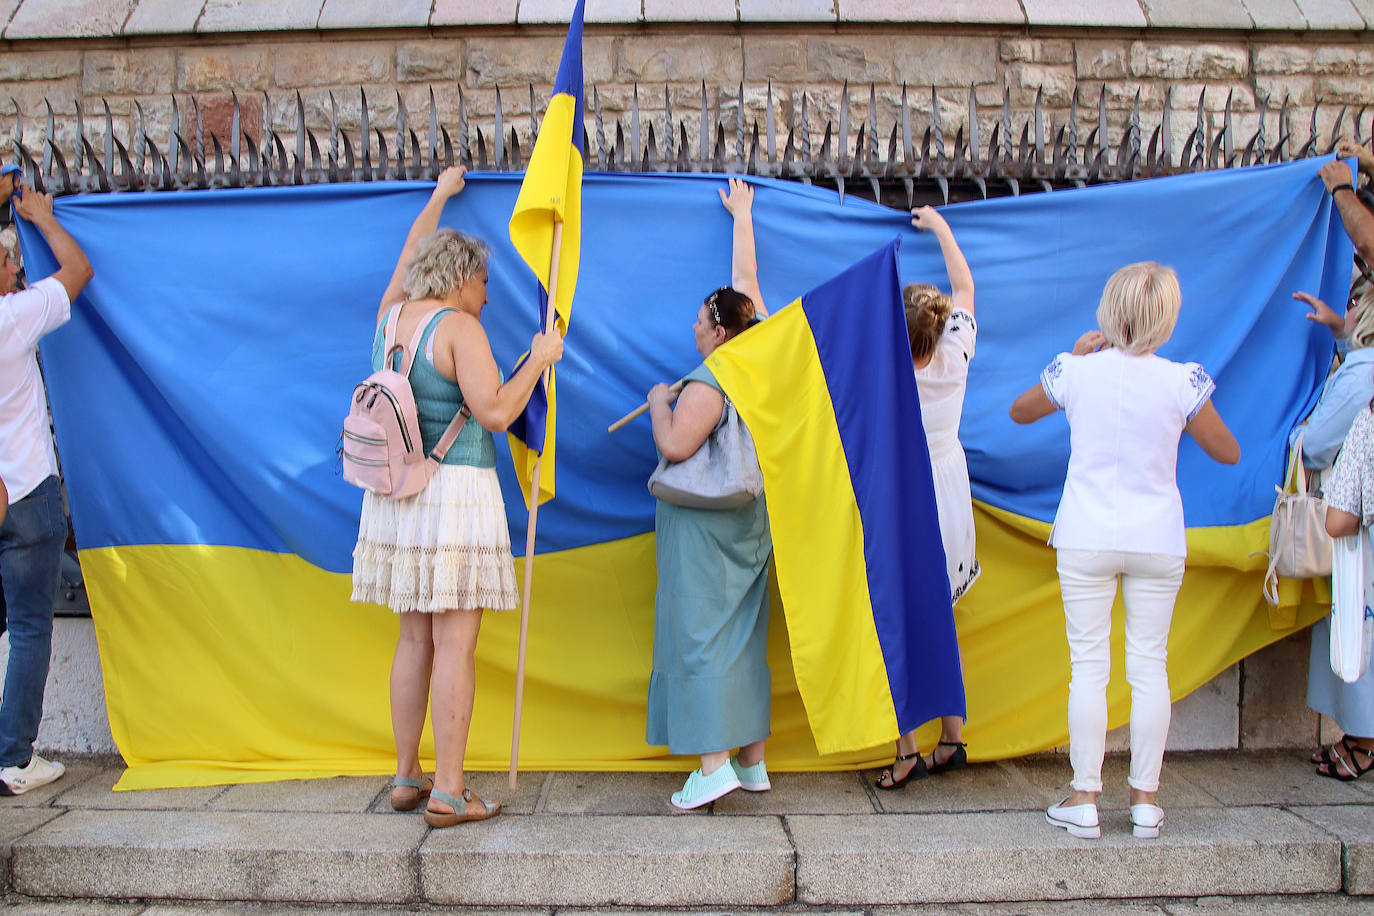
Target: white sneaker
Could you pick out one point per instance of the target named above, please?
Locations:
(1145, 820)
(1078, 820)
(39, 772)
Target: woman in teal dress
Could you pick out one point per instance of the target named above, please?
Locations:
(710, 688)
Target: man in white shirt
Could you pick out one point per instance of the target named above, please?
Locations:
(34, 529)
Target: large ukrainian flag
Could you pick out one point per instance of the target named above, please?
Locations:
(826, 388)
(199, 390)
(550, 198)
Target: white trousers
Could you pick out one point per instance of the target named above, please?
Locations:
(1149, 585)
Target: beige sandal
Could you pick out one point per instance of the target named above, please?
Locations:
(423, 785)
(449, 818)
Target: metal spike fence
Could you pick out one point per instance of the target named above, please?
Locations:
(902, 169)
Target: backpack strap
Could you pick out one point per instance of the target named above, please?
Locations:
(407, 353)
(455, 426)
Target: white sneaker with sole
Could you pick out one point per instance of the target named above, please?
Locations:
(39, 772)
(1078, 820)
(1145, 820)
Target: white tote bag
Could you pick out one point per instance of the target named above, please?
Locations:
(1352, 620)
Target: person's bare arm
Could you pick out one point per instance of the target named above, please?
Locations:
(73, 269)
(494, 404)
(1349, 149)
(1341, 524)
(679, 431)
(744, 264)
(1209, 430)
(1358, 220)
(928, 219)
(450, 182)
(1322, 314)
(1033, 404)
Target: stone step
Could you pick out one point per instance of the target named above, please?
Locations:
(550, 860)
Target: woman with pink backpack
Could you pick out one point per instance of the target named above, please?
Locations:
(441, 555)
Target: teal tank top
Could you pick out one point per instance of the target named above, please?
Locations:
(437, 399)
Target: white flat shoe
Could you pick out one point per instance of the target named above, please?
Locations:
(1145, 820)
(1078, 820)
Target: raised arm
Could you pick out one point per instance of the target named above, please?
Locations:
(1349, 149)
(73, 269)
(1358, 220)
(494, 404)
(928, 219)
(450, 182)
(744, 266)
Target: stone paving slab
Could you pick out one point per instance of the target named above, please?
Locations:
(492, 786)
(66, 908)
(78, 773)
(1331, 14)
(367, 14)
(257, 15)
(1051, 777)
(1216, 14)
(610, 861)
(615, 793)
(1274, 778)
(1282, 14)
(1097, 13)
(68, 18)
(802, 793)
(1325, 905)
(14, 825)
(1354, 825)
(342, 794)
(152, 17)
(97, 791)
(989, 857)
(981, 787)
(958, 11)
(220, 856)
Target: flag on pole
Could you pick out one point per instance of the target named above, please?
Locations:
(551, 193)
(826, 389)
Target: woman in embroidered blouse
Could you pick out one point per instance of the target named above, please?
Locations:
(1121, 515)
(942, 332)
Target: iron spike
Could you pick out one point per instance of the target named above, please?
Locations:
(667, 129)
(600, 130)
(298, 168)
(433, 138)
(334, 141)
(1006, 124)
(174, 141)
(534, 122)
(842, 139)
(18, 131)
(416, 160)
(1201, 129)
(464, 153)
(140, 135)
(1261, 139)
(401, 129)
(515, 164)
(1310, 147)
(973, 127)
(80, 136)
(872, 150)
(771, 128)
(1102, 132)
(234, 134)
(109, 137)
(684, 164)
(739, 129)
(447, 146)
(350, 164)
(255, 171)
(936, 125)
(383, 157)
(498, 139)
(704, 150)
(481, 149)
(805, 134)
(718, 155)
(365, 137)
(1336, 130)
(908, 151)
(1227, 143)
(1166, 130)
(634, 123)
(98, 167)
(62, 170)
(317, 165)
(618, 150)
(269, 139)
(1039, 125)
(1285, 131)
(890, 169)
(48, 134)
(650, 152)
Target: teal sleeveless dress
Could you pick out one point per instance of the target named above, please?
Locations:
(448, 546)
(710, 689)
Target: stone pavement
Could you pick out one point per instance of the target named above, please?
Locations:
(1248, 826)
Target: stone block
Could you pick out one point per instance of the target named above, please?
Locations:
(614, 793)
(1056, 908)
(1331, 14)
(472, 12)
(1275, 14)
(1286, 59)
(1189, 14)
(68, 18)
(1159, 61)
(1001, 856)
(332, 63)
(205, 69)
(1268, 778)
(162, 17)
(429, 61)
(128, 72)
(97, 791)
(499, 61)
(364, 14)
(1218, 62)
(802, 793)
(558, 11)
(1101, 60)
(1353, 825)
(991, 12)
(1055, 83)
(345, 858)
(610, 861)
(1050, 778)
(854, 60)
(1343, 60)
(1273, 708)
(659, 58)
(217, 116)
(701, 11)
(14, 825)
(777, 59)
(1336, 90)
(787, 10)
(935, 61)
(1069, 12)
(1038, 50)
(259, 16)
(524, 799)
(1209, 717)
(39, 65)
(1307, 905)
(342, 794)
(998, 786)
(1299, 90)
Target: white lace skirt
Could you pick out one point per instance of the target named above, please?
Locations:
(445, 548)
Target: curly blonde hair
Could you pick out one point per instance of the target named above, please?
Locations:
(1139, 307)
(442, 263)
(1362, 335)
(927, 310)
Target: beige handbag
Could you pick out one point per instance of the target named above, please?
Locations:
(1299, 547)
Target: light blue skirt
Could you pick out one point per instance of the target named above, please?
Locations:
(1351, 705)
(710, 689)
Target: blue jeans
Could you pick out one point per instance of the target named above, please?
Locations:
(31, 541)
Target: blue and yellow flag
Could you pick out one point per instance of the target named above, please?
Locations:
(826, 388)
(551, 194)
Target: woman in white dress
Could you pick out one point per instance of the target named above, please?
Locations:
(942, 334)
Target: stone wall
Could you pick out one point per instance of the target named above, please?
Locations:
(1063, 67)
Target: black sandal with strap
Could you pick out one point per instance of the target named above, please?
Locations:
(917, 771)
(956, 761)
(1348, 770)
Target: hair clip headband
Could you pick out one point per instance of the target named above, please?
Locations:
(711, 304)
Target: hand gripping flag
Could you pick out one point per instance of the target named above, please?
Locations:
(551, 194)
(826, 388)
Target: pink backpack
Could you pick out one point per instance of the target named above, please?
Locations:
(380, 449)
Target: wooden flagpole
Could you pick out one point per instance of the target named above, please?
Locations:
(534, 516)
(675, 388)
